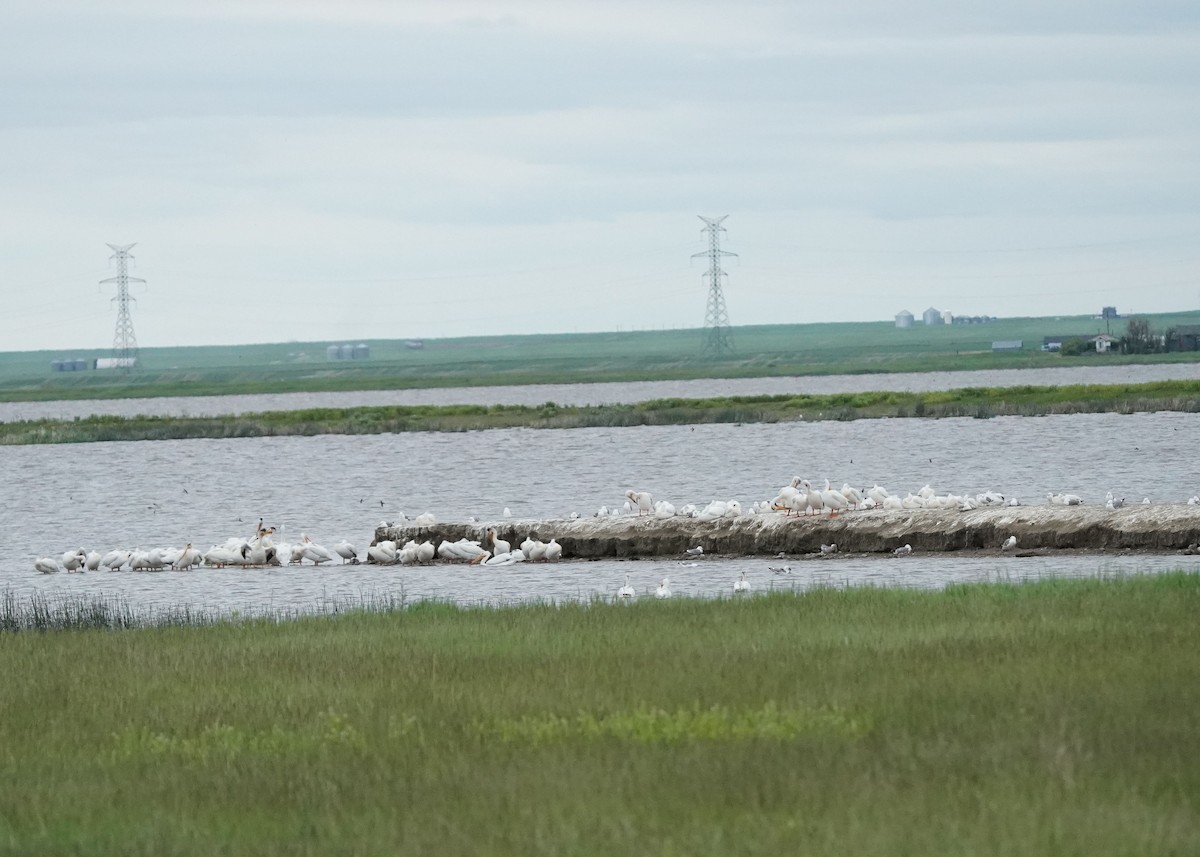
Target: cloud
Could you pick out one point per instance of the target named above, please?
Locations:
(547, 160)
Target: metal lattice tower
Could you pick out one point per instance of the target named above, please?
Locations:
(125, 347)
(718, 338)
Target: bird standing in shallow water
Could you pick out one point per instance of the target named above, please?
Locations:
(741, 584)
(664, 589)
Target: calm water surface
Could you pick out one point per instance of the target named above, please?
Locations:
(606, 393)
(163, 493)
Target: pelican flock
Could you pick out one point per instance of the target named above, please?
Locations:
(799, 498)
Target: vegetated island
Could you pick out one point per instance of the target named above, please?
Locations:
(977, 402)
(1054, 717)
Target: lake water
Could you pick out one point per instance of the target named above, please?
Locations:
(163, 493)
(605, 393)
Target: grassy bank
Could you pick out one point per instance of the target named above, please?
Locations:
(1057, 718)
(764, 350)
(979, 402)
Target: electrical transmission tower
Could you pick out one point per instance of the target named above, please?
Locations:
(124, 342)
(718, 338)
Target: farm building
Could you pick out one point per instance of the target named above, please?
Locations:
(932, 316)
(361, 351)
(1101, 342)
(1186, 337)
(1007, 344)
(904, 318)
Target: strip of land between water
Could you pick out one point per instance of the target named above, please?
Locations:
(977, 402)
(1159, 528)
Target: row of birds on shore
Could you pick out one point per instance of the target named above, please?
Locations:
(802, 498)
(261, 550)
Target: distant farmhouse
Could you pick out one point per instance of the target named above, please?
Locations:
(1186, 337)
(974, 319)
(1007, 344)
(1102, 342)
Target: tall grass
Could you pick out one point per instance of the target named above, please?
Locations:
(979, 402)
(1056, 718)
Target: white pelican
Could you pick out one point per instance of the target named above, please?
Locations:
(74, 560)
(813, 501)
(507, 512)
(254, 553)
(424, 520)
(664, 589)
(626, 591)
(663, 509)
(1009, 543)
(425, 552)
(45, 565)
(347, 551)
(93, 561)
(715, 510)
(537, 551)
(186, 558)
(218, 556)
(834, 501)
(851, 494)
(505, 558)
(495, 545)
(553, 551)
(904, 550)
(741, 584)
(877, 493)
(640, 500)
(383, 553)
(114, 559)
(315, 552)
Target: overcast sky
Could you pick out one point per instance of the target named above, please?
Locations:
(342, 170)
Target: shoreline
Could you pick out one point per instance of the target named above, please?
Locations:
(1040, 531)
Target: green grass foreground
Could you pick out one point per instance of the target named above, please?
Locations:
(1061, 717)
(979, 402)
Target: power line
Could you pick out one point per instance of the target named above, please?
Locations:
(124, 341)
(718, 337)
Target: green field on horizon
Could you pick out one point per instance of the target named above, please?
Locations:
(766, 350)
